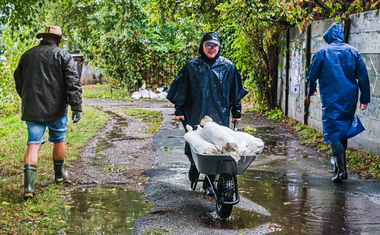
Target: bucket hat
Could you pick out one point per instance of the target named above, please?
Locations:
(51, 30)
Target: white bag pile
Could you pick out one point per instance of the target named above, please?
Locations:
(145, 93)
(217, 139)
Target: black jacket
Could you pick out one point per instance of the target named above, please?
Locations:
(47, 80)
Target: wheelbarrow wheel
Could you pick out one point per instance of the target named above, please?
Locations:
(225, 191)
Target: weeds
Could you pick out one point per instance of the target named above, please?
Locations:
(274, 114)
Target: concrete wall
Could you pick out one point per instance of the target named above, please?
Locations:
(365, 36)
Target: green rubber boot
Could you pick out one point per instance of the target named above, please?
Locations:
(29, 173)
(61, 175)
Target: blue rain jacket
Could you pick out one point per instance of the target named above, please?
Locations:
(341, 72)
(203, 90)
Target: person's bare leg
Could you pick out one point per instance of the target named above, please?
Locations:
(59, 151)
(31, 154)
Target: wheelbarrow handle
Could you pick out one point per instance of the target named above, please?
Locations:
(235, 126)
(183, 124)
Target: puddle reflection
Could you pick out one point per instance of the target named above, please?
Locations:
(105, 210)
(300, 209)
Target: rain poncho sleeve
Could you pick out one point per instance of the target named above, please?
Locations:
(178, 95)
(341, 73)
(199, 90)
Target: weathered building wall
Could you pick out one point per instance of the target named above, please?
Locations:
(364, 34)
(317, 29)
(297, 63)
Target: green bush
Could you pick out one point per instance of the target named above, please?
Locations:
(13, 49)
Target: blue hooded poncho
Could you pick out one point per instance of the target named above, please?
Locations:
(341, 72)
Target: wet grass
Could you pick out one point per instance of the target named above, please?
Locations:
(154, 117)
(47, 212)
(366, 164)
(104, 91)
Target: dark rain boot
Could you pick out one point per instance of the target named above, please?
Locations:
(345, 175)
(342, 172)
(61, 175)
(29, 173)
(333, 164)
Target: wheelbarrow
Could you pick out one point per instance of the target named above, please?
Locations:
(226, 189)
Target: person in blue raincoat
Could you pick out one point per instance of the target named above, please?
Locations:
(341, 72)
(207, 85)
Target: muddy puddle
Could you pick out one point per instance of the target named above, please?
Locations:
(105, 210)
(299, 202)
(296, 208)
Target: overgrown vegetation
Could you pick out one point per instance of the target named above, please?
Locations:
(151, 116)
(46, 213)
(137, 41)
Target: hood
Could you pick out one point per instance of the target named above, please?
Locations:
(334, 33)
(205, 37)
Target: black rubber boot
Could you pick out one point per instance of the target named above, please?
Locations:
(61, 175)
(29, 173)
(345, 175)
(333, 164)
(341, 165)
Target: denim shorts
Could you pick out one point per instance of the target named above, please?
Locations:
(57, 131)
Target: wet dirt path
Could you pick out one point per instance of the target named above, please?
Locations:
(288, 188)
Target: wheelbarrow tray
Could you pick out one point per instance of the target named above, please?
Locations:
(220, 163)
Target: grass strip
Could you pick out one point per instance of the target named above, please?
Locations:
(47, 212)
(154, 117)
(104, 91)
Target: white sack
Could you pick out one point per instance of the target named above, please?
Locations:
(253, 145)
(194, 138)
(136, 95)
(220, 136)
(153, 95)
(162, 95)
(145, 93)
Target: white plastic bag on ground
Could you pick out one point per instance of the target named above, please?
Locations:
(153, 95)
(136, 95)
(162, 95)
(145, 93)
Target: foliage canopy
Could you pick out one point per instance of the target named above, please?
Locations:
(136, 41)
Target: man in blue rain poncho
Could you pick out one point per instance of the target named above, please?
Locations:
(207, 85)
(341, 72)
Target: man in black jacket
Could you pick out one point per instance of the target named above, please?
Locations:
(207, 85)
(47, 81)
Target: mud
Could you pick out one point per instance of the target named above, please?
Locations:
(119, 153)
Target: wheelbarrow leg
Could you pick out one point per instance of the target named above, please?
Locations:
(207, 185)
